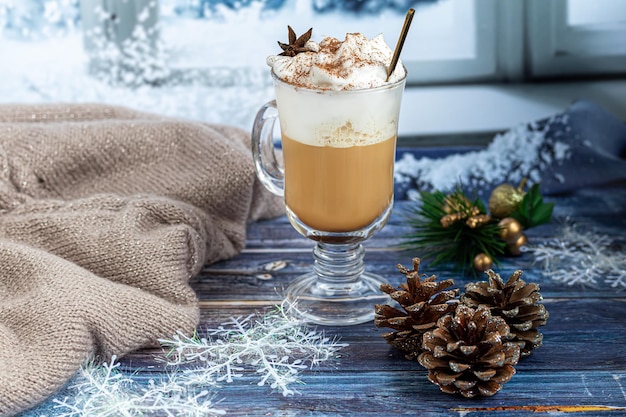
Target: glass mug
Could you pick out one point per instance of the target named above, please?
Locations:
(336, 177)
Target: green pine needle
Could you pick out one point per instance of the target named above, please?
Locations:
(457, 244)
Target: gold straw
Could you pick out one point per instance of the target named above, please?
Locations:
(400, 44)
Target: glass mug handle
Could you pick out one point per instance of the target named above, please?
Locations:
(268, 168)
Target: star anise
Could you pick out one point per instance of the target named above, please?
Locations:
(296, 45)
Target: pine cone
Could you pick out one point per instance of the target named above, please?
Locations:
(423, 301)
(468, 353)
(514, 301)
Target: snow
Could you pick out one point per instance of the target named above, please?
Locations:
(213, 69)
(524, 151)
(217, 61)
(55, 70)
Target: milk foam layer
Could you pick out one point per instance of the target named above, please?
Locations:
(339, 118)
(355, 63)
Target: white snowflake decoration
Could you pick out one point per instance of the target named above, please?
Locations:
(584, 258)
(102, 390)
(275, 346)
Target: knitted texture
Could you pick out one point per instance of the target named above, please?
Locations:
(105, 215)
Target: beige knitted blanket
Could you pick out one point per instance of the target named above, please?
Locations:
(105, 214)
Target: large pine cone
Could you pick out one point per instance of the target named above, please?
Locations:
(424, 301)
(516, 302)
(468, 353)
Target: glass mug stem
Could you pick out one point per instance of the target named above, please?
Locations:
(337, 193)
(338, 266)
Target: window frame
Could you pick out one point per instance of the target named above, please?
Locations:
(482, 66)
(558, 49)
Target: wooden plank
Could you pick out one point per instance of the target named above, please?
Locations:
(375, 393)
(581, 334)
(246, 278)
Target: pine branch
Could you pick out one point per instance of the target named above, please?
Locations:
(457, 243)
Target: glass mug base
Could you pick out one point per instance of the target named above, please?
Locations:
(338, 292)
(330, 305)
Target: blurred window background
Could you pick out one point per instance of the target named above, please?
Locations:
(205, 59)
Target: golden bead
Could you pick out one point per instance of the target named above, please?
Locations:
(510, 229)
(449, 219)
(482, 262)
(478, 220)
(514, 248)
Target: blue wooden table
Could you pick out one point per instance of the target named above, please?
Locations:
(582, 361)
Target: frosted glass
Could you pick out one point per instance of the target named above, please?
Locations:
(442, 29)
(593, 12)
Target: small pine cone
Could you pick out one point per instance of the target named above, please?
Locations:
(468, 353)
(423, 302)
(514, 301)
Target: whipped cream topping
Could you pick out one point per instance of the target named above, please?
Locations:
(355, 63)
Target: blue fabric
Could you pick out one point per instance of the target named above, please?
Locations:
(585, 146)
(597, 141)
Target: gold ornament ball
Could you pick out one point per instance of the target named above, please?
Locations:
(515, 247)
(482, 262)
(505, 200)
(510, 229)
